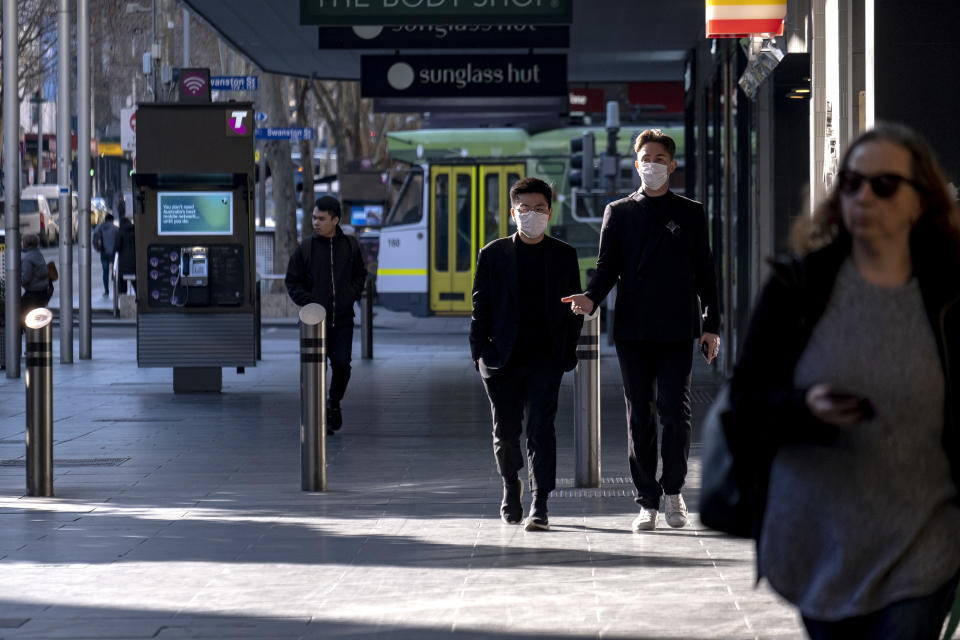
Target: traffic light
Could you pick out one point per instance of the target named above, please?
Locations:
(581, 162)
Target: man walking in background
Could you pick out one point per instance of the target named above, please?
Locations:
(328, 269)
(105, 241)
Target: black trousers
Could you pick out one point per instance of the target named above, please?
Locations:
(524, 398)
(657, 374)
(106, 264)
(30, 300)
(339, 349)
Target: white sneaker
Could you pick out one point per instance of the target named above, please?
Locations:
(675, 510)
(646, 521)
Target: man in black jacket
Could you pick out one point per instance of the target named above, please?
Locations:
(654, 244)
(328, 269)
(522, 339)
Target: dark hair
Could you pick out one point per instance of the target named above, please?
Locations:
(31, 241)
(531, 185)
(329, 203)
(655, 135)
(937, 225)
(108, 217)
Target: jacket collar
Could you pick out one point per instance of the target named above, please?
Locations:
(337, 232)
(640, 196)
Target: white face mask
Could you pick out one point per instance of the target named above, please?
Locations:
(531, 223)
(653, 175)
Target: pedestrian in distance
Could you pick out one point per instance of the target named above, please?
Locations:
(126, 253)
(654, 244)
(37, 288)
(105, 241)
(328, 269)
(844, 403)
(522, 340)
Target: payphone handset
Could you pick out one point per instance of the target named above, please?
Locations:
(194, 266)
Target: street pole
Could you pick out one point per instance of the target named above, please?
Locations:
(262, 188)
(186, 38)
(40, 172)
(83, 171)
(63, 182)
(611, 162)
(11, 161)
(153, 53)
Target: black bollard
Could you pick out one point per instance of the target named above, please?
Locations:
(313, 390)
(39, 383)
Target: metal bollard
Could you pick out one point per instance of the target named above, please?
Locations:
(313, 392)
(586, 404)
(39, 382)
(366, 320)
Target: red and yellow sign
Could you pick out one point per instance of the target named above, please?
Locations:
(739, 18)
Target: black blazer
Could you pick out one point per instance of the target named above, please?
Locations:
(495, 324)
(660, 255)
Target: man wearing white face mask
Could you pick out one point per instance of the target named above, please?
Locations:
(653, 243)
(522, 339)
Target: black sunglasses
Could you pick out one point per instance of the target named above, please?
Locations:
(883, 185)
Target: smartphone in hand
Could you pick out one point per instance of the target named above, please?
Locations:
(704, 351)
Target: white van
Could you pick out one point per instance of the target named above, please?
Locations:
(52, 193)
(34, 218)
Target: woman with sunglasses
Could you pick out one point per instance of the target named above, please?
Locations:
(844, 404)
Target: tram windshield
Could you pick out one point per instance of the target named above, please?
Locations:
(408, 207)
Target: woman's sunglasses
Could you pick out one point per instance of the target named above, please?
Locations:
(883, 185)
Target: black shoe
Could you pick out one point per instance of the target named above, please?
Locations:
(511, 509)
(537, 521)
(334, 419)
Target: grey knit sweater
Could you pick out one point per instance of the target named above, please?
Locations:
(871, 518)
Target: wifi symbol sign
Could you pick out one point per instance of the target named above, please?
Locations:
(194, 84)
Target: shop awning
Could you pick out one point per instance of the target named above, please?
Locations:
(739, 18)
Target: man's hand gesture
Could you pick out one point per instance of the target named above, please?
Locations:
(712, 341)
(579, 304)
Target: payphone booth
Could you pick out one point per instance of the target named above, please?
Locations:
(193, 219)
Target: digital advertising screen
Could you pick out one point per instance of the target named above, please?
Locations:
(366, 215)
(195, 213)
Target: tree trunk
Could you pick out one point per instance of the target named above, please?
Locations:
(281, 169)
(306, 160)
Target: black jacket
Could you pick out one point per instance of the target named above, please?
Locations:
(660, 254)
(495, 324)
(766, 410)
(127, 253)
(332, 276)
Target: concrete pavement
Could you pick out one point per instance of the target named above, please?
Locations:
(181, 515)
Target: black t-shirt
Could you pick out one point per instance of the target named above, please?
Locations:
(533, 340)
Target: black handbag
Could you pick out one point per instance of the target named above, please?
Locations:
(726, 503)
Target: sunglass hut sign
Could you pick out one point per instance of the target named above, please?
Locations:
(463, 76)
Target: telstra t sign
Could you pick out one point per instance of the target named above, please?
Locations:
(239, 122)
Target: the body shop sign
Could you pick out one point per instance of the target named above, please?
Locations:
(463, 76)
(436, 36)
(379, 12)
